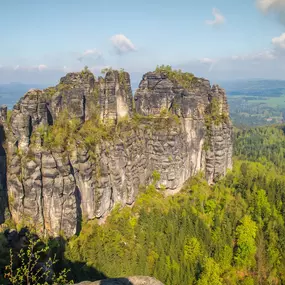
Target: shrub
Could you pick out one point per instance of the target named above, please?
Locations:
(185, 79)
(30, 271)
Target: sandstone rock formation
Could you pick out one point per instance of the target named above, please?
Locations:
(3, 167)
(77, 149)
(135, 280)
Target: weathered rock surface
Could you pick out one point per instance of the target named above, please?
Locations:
(3, 168)
(157, 92)
(135, 280)
(54, 188)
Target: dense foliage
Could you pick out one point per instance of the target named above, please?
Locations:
(229, 233)
(232, 233)
(30, 261)
(262, 144)
(185, 79)
(256, 110)
(66, 132)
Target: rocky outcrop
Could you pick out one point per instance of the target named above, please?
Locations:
(115, 95)
(209, 136)
(135, 280)
(4, 213)
(111, 146)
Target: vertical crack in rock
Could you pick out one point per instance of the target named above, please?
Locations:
(177, 129)
(49, 117)
(42, 198)
(78, 201)
(4, 211)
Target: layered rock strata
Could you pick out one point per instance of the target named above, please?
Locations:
(174, 130)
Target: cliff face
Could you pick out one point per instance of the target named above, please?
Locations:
(3, 168)
(77, 149)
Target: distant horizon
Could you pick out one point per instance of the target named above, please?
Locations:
(222, 80)
(211, 40)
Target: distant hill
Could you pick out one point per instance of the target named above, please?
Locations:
(255, 87)
(10, 93)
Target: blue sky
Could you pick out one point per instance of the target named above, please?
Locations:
(217, 39)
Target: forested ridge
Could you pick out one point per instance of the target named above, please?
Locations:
(230, 233)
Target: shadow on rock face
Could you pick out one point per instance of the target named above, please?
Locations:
(112, 281)
(3, 177)
(117, 281)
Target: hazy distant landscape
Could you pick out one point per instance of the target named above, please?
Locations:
(252, 102)
(122, 161)
(256, 102)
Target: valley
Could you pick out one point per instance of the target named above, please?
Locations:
(256, 103)
(224, 222)
(142, 142)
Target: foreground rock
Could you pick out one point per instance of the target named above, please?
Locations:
(135, 280)
(173, 129)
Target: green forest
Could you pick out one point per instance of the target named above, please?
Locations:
(232, 232)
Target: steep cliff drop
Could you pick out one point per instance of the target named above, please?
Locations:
(77, 149)
(4, 212)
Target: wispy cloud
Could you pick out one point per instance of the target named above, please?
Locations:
(210, 62)
(219, 19)
(267, 5)
(42, 67)
(93, 54)
(274, 6)
(279, 42)
(122, 44)
(266, 54)
(270, 66)
(39, 67)
(207, 60)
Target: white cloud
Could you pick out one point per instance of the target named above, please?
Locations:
(207, 60)
(239, 67)
(91, 54)
(218, 18)
(279, 42)
(92, 51)
(42, 67)
(266, 54)
(276, 7)
(39, 67)
(268, 5)
(243, 65)
(122, 44)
